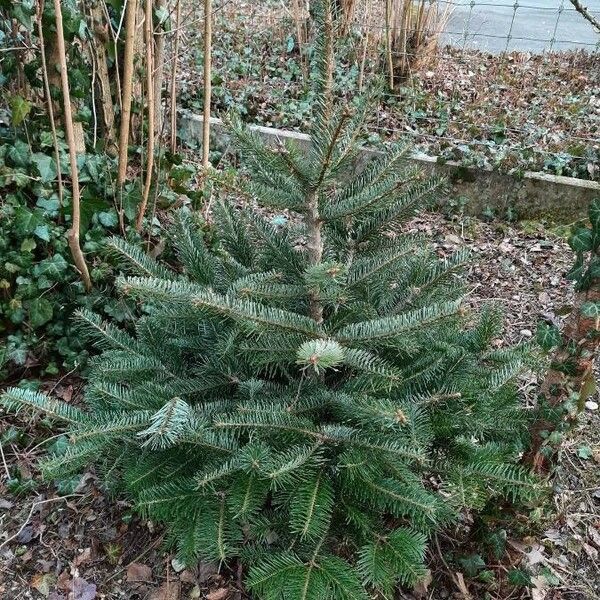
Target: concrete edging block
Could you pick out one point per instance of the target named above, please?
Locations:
(529, 196)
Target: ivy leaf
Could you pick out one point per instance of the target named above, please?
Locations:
(290, 44)
(594, 269)
(42, 232)
(594, 213)
(576, 272)
(520, 578)
(26, 221)
(496, 540)
(161, 14)
(132, 196)
(27, 245)
(591, 310)
(585, 452)
(19, 108)
(45, 166)
(40, 312)
(19, 153)
(581, 240)
(59, 446)
(472, 564)
(89, 206)
(67, 486)
(108, 219)
(547, 336)
(51, 267)
(49, 205)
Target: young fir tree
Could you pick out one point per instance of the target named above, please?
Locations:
(308, 398)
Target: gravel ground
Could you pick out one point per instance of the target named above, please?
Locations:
(88, 546)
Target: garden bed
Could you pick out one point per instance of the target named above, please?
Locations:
(86, 540)
(513, 112)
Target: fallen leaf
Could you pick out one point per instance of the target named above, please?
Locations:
(25, 535)
(594, 537)
(64, 581)
(187, 577)
(590, 551)
(462, 586)
(206, 570)
(82, 590)
(539, 589)
(167, 591)
(84, 557)
(420, 590)
(219, 594)
(42, 582)
(139, 572)
(195, 593)
(536, 555)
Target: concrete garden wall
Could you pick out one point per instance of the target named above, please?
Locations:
(531, 195)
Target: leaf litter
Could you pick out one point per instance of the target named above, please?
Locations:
(88, 546)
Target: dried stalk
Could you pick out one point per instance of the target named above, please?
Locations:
(149, 37)
(73, 235)
(174, 80)
(99, 57)
(207, 81)
(586, 14)
(131, 10)
(49, 101)
(388, 43)
(159, 63)
(365, 48)
(347, 8)
(300, 24)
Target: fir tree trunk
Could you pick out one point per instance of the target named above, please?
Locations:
(571, 376)
(315, 250)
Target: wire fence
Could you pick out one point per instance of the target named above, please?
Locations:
(502, 84)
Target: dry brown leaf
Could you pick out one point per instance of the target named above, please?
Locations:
(462, 586)
(139, 572)
(219, 594)
(84, 557)
(421, 588)
(167, 591)
(82, 590)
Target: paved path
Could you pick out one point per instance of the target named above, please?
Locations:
(537, 25)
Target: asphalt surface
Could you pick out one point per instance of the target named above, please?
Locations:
(524, 25)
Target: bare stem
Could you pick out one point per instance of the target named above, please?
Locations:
(207, 81)
(174, 80)
(73, 234)
(150, 95)
(585, 12)
(127, 89)
(49, 102)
